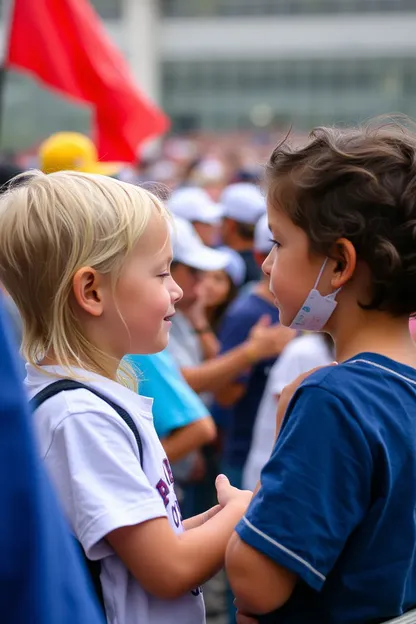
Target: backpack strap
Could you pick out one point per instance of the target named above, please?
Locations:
(63, 385)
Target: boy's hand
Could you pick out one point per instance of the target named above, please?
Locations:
(226, 493)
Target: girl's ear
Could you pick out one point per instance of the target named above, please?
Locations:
(344, 254)
(87, 289)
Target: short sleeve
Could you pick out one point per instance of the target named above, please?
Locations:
(97, 472)
(175, 404)
(315, 488)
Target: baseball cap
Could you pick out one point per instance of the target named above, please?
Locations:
(194, 204)
(262, 236)
(243, 202)
(189, 249)
(235, 267)
(73, 151)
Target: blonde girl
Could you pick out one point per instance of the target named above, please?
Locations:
(87, 261)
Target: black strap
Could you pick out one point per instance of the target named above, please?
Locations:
(63, 385)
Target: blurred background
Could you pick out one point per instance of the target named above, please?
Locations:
(233, 76)
(244, 68)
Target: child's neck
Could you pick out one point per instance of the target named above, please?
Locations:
(375, 332)
(51, 360)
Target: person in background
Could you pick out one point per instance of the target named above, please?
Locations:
(35, 540)
(192, 342)
(194, 345)
(301, 355)
(243, 204)
(237, 402)
(218, 289)
(242, 396)
(72, 151)
(195, 205)
(210, 175)
(181, 419)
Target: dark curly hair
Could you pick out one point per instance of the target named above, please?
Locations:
(361, 185)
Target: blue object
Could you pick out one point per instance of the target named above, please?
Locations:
(253, 271)
(42, 579)
(338, 496)
(175, 403)
(239, 320)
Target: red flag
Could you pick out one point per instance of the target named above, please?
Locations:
(64, 44)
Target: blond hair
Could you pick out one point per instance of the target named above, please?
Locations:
(50, 227)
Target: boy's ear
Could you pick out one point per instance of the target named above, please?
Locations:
(87, 291)
(345, 256)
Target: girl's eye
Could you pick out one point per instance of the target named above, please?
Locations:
(275, 243)
(163, 275)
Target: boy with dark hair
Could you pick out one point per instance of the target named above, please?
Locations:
(330, 536)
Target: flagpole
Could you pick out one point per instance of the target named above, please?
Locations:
(6, 23)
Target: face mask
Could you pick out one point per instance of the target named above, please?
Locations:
(316, 310)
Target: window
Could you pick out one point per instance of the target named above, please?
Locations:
(108, 9)
(220, 94)
(232, 8)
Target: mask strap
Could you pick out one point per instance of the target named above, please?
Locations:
(320, 274)
(332, 295)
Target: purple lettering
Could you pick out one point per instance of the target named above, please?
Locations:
(176, 514)
(163, 490)
(168, 471)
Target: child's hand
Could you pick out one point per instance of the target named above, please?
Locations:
(266, 340)
(226, 493)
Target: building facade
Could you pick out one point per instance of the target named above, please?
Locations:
(225, 64)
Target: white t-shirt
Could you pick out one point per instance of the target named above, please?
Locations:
(93, 459)
(300, 356)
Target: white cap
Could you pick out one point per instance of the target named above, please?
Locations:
(194, 204)
(235, 267)
(262, 236)
(189, 249)
(243, 202)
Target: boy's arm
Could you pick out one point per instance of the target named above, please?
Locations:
(189, 438)
(259, 584)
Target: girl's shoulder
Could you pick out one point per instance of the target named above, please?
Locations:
(82, 412)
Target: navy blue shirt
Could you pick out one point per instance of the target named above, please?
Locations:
(338, 497)
(253, 271)
(240, 318)
(42, 580)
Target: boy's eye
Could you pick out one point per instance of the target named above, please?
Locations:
(275, 243)
(163, 275)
